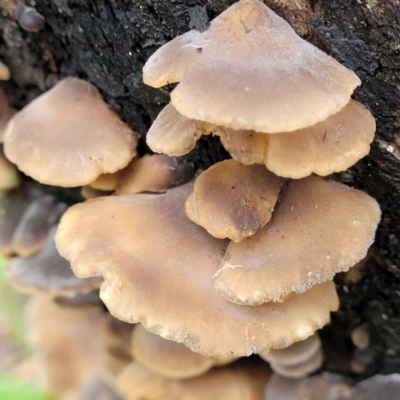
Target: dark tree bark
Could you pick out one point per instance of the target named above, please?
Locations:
(108, 41)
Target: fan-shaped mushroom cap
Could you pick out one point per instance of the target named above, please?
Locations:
(234, 201)
(157, 264)
(153, 173)
(68, 136)
(4, 72)
(48, 272)
(33, 228)
(327, 147)
(228, 383)
(319, 228)
(250, 70)
(168, 358)
(173, 134)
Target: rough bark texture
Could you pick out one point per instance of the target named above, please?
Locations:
(108, 41)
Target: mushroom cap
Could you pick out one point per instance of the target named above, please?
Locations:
(234, 201)
(9, 175)
(68, 136)
(48, 272)
(329, 146)
(4, 72)
(153, 173)
(173, 134)
(250, 70)
(168, 358)
(106, 182)
(318, 228)
(158, 268)
(237, 382)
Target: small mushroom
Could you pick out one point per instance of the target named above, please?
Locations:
(237, 382)
(234, 201)
(29, 19)
(4, 73)
(153, 173)
(157, 263)
(68, 136)
(250, 70)
(360, 336)
(318, 228)
(169, 359)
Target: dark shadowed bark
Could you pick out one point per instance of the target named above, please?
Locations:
(108, 41)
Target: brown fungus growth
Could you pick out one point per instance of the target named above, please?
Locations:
(241, 381)
(153, 173)
(68, 136)
(48, 272)
(319, 228)
(250, 70)
(4, 73)
(115, 237)
(168, 358)
(231, 200)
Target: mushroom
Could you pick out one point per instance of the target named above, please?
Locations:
(4, 72)
(231, 200)
(153, 173)
(169, 359)
(318, 228)
(9, 175)
(114, 237)
(29, 19)
(68, 136)
(237, 382)
(251, 71)
(48, 272)
(360, 336)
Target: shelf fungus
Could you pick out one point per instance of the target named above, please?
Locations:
(68, 136)
(115, 237)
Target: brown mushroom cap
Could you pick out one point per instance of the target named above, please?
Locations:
(327, 147)
(158, 268)
(234, 201)
(68, 136)
(153, 173)
(4, 72)
(173, 134)
(237, 382)
(319, 228)
(250, 70)
(168, 358)
(48, 272)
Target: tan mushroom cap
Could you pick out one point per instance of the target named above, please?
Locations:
(250, 70)
(153, 173)
(235, 382)
(48, 272)
(4, 72)
(106, 182)
(296, 353)
(33, 228)
(168, 358)
(360, 336)
(65, 342)
(319, 228)
(157, 264)
(68, 136)
(173, 134)
(9, 175)
(234, 201)
(327, 147)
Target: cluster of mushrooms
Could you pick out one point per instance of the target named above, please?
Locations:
(235, 262)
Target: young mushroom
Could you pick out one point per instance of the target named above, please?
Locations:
(4, 72)
(68, 136)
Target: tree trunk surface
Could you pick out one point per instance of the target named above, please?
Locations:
(108, 41)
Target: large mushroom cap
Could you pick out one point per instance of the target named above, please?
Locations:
(231, 200)
(68, 136)
(250, 70)
(319, 228)
(158, 268)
